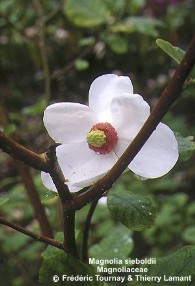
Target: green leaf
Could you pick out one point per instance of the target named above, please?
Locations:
(10, 129)
(18, 203)
(180, 264)
(51, 251)
(191, 209)
(86, 42)
(86, 13)
(81, 64)
(138, 24)
(174, 52)
(117, 44)
(7, 182)
(59, 266)
(3, 200)
(117, 244)
(186, 146)
(50, 199)
(16, 241)
(134, 211)
(136, 5)
(189, 234)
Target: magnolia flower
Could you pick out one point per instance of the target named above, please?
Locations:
(93, 137)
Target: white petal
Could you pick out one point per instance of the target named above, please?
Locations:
(68, 122)
(104, 89)
(102, 201)
(48, 183)
(159, 154)
(129, 113)
(121, 146)
(82, 166)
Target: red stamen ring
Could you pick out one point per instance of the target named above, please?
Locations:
(111, 138)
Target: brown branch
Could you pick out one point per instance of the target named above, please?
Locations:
(47, 162)
(66, 202)
(35, 236)
(33, 195)
(68, 212)
(37, 161)
(169, 95)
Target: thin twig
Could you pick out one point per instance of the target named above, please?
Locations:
(169, 95)
(84, 254)
(35, 236)
(12, 24)
(11, 147)
(33, 195)
(41, 23)
(52, 15)
(43, 51)
(60, 72)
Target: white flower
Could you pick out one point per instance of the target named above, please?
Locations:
(94, 137)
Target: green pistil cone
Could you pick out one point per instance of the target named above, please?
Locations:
(96, 138)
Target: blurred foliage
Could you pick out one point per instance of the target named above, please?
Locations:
(50, 52)
(117, 244)
(56, 262)
(180, 262)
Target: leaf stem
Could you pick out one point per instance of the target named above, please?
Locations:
(60, 72)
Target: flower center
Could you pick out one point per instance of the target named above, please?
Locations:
(96, 138)
(102, 138)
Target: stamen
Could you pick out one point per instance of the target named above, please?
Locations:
(102, 138)
(96, 138)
